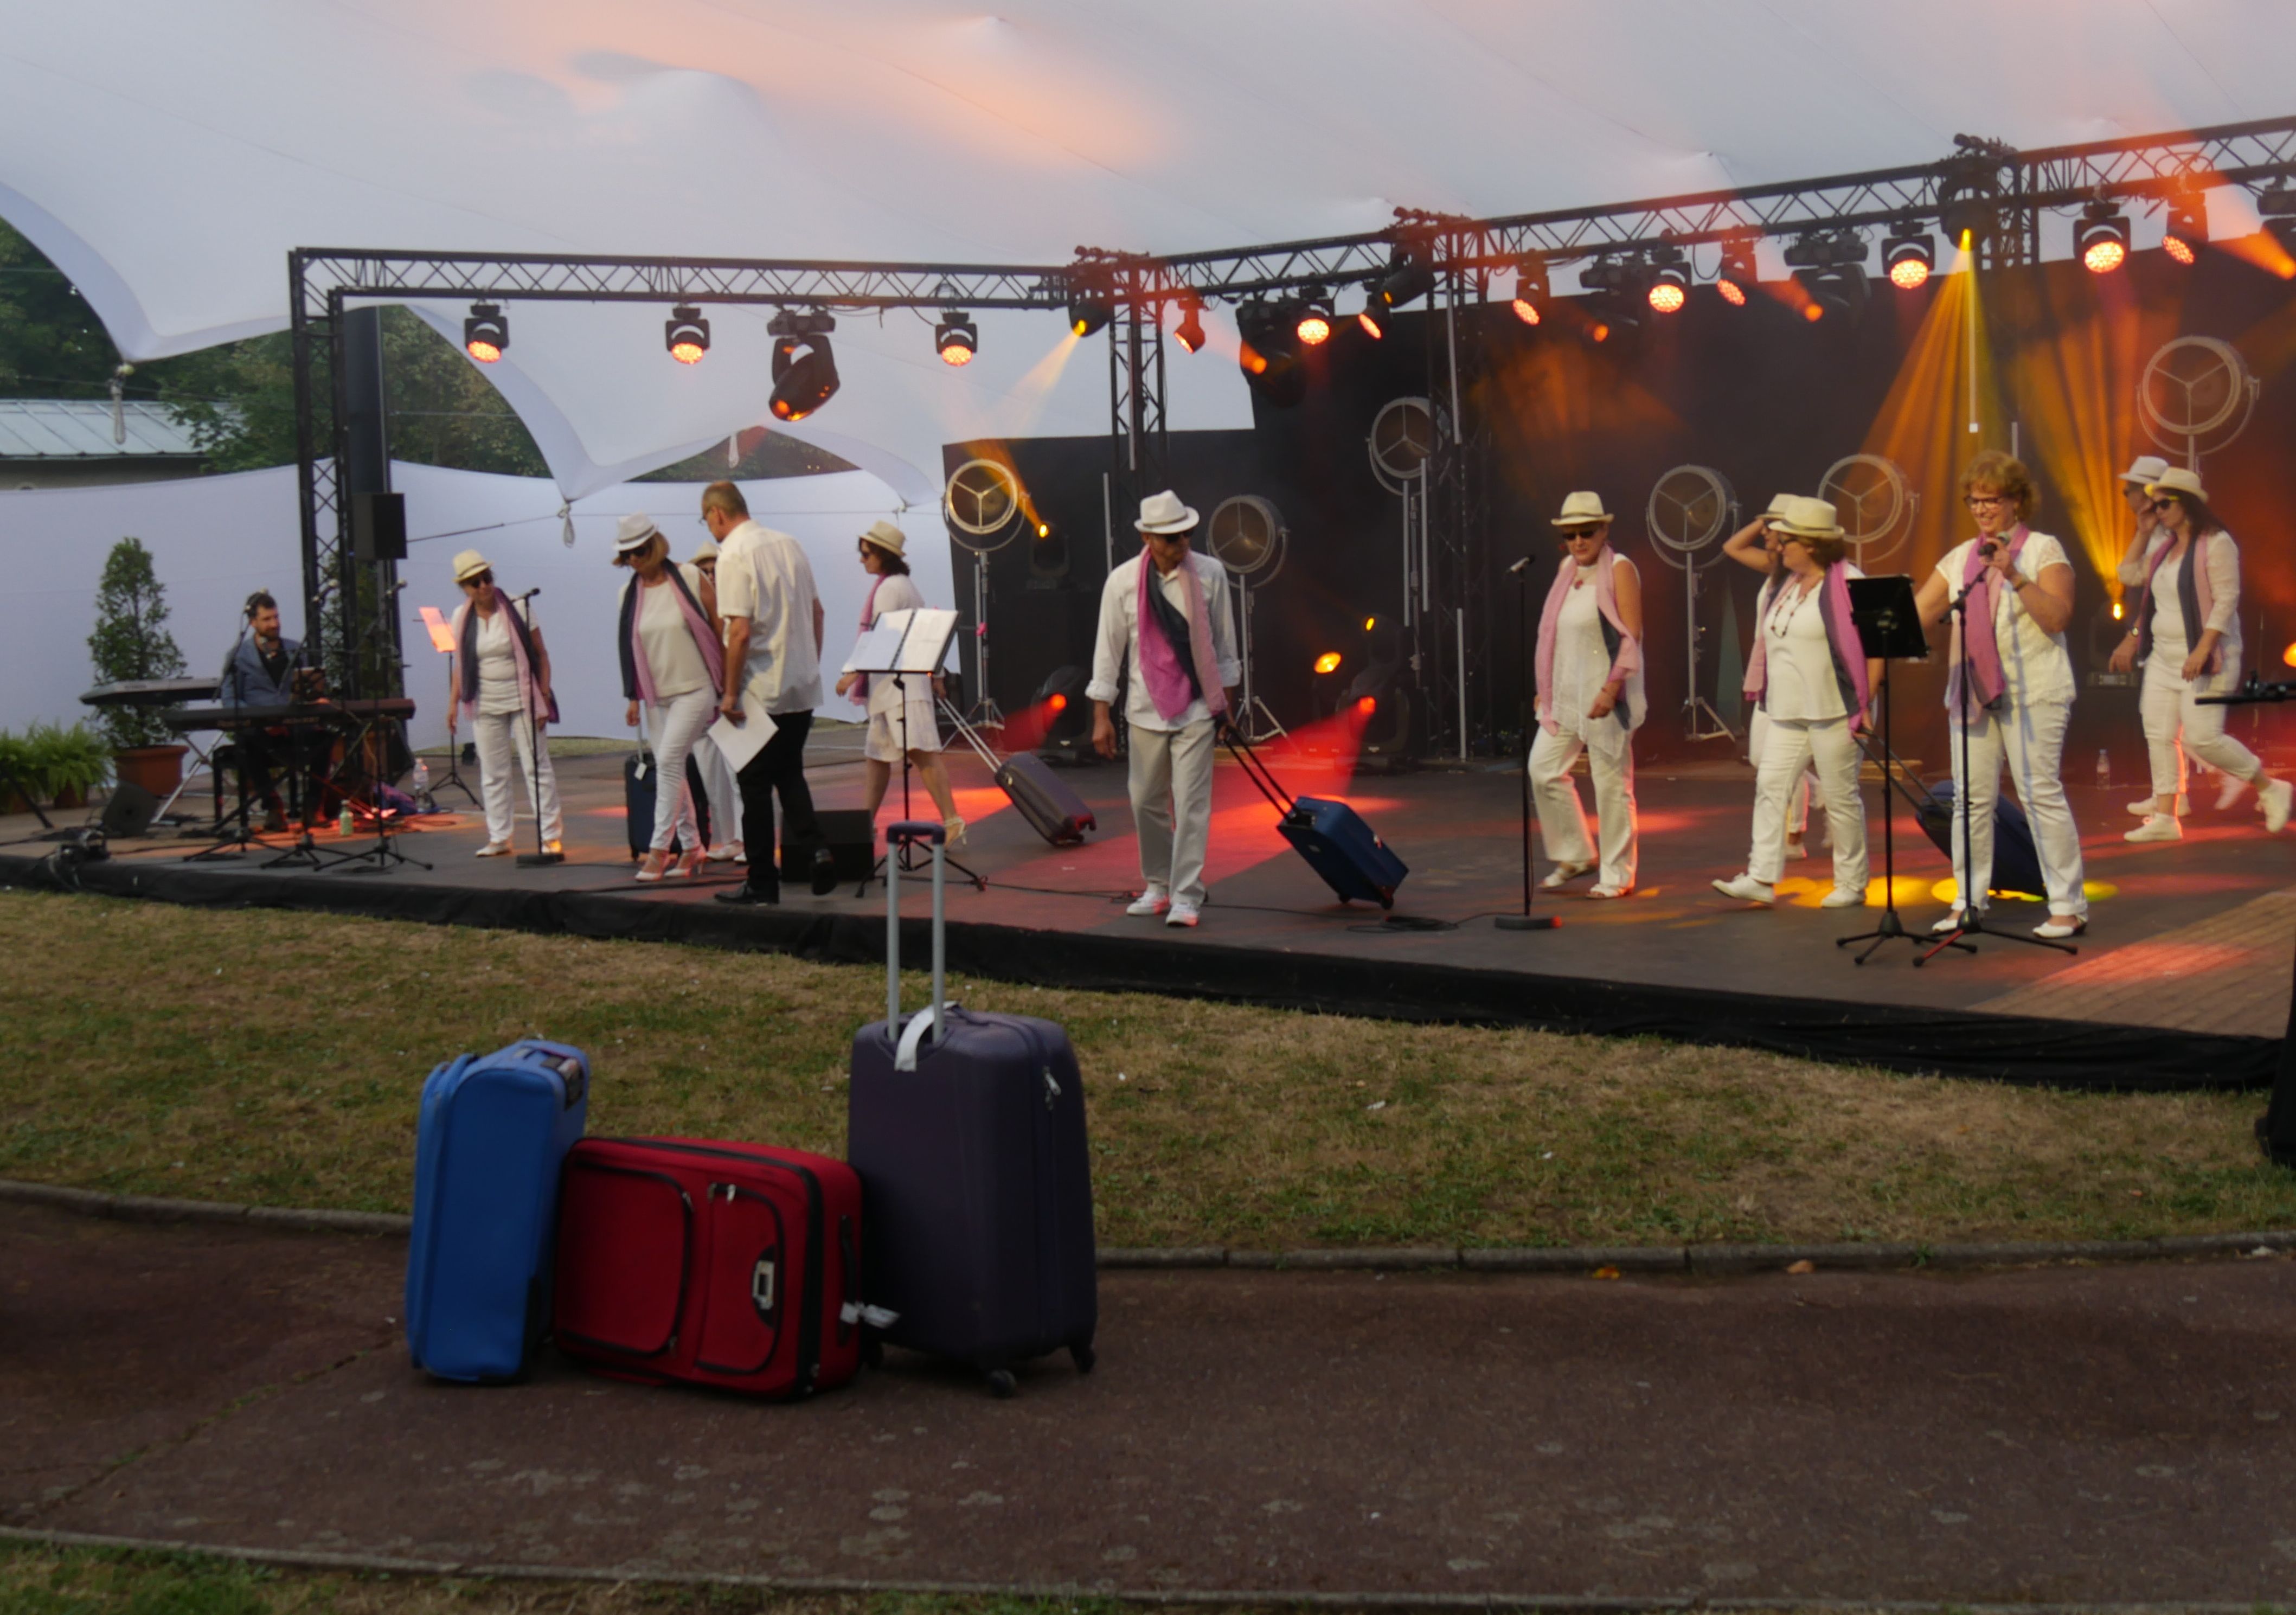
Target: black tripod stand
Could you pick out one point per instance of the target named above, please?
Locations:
(1972, 911)
(1889, 629)
(907, 859)
(1526, 920)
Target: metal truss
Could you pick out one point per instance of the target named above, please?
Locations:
(564, 278)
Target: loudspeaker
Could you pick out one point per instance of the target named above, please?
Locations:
(847, 833)
(129, 812)
(379, 527)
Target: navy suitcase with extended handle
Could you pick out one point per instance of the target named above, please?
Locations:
(968, 1132)
(1331, 835)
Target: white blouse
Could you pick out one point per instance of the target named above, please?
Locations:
(672, 658)
(498, 691)
(1582, 662)
(1800, 685)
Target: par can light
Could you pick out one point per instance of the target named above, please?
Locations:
(1530, 287)
(1908, 260)
(686, 334)
(2101, 238)
(1311, 320)
(486, 334)
(955, 338)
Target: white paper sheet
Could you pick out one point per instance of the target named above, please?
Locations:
(738, 742)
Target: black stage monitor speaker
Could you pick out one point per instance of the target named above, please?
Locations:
(129, 812)
(379, 527)
(848, 835)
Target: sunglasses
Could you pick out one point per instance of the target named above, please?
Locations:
(474, 580)
(2167, 503)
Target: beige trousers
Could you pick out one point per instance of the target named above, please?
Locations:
(1609, 748)
(1172, 806)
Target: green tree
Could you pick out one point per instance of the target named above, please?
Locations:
(131, 640)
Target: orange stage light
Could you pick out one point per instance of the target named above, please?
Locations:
(1368, 705)
(687, 353)
(1370, 324)
(1252, 359)
(955, 353)
(1526, 312)
(1666, 298)
(2179, 249)
(1059, 703)
(1813, 311)
(1600, 331)
(1328, 662)
(1370, 623)
(484, 352)
(2105, 257)
(2116, 610)
(1312, 329)
(1043, 530)
(1733, 293)
(1909, 274)
(2288, 656)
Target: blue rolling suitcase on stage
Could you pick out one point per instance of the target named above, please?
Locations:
(2016, 862)
(967, 1130)
(1331, 836)
(488, 1153)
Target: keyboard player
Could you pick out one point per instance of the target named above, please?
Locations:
(260, 672)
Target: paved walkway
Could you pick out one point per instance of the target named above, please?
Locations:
(2062, 1435)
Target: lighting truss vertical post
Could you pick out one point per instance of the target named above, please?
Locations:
(1139, 461)
(1455, 633)
(314, 329)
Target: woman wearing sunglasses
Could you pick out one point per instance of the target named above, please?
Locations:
(901, 714)
(2186, 632)
(673, 655)
(502, 679)
(1590, 698)
(2020, 694)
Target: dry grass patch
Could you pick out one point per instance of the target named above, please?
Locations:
(277, 1058)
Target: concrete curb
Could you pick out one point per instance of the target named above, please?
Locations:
(1166, 1597)
(1707, 1260)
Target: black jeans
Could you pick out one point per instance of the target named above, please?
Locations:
(778, 766)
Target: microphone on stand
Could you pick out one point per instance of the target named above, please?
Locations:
(529, 594)
(1518, 566)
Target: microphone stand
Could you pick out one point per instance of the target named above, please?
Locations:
(305, 854)
(541, 855)
(1973, 921)
(234, 846)
(1525, 920)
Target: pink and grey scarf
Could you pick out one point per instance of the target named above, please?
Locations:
(1626, 651)
(1841, 639)
(1167, 631)
(1984, 659)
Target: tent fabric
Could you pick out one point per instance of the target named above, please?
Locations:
(168, 156)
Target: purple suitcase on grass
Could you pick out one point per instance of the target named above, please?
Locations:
(968, 1131)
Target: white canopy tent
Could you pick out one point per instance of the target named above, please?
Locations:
(168, 157)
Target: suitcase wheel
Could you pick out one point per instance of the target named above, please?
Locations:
(1002, 1385)
(1082, 1355)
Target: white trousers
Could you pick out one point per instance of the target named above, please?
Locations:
(1758, 729)
(1609, 748)
(724, 792)
(2032, 736)
(1788, 746)
(2170, 707)
(1172, 806)
(677, 724)
(498, 735)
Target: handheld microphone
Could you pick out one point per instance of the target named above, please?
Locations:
(1518, 566)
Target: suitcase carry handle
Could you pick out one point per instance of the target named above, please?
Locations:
(970, 737)
(1255, 770)
(896, 836)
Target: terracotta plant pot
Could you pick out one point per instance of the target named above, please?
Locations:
(158, 770)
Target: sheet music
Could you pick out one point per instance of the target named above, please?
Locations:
(907, 641)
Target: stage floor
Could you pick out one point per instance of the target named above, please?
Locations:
(2195, 938)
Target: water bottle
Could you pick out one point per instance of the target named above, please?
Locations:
(422, 781)
(2103, 766)
(343, 822)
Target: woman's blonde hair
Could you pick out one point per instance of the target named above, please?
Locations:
(2004, 474)
(654, 545)
(1826, 551)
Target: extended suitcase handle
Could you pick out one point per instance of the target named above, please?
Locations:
(1255, 770)
(897, 835)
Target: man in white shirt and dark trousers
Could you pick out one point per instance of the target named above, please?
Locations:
(773, 636)
(1166, 625)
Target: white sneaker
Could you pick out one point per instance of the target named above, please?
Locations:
(723, 852)
(1795, 848)
(1843, 896)
(1563, 874)
(2278, 796)
(2056, 928)
(1155, 900)
(1747, 889)
(493, 850)
(1183, 913)
(2145, 809)
(2228, 793)
(2160, 827)
(1951, 922)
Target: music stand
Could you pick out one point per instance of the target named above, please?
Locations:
(442, 640)
(1889, 628)
(901, 645)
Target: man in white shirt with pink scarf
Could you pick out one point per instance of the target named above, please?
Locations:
(1164, 621)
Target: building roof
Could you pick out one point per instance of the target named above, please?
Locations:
(81, 429)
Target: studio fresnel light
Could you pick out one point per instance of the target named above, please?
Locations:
(1737, 276)
(2187, 230)
(1373, 320)
(486, 334)
(1312, 321)
(1408, 279)
(804, 371)
(686, 334)
(1908, 260)
(1530, 287)
(2101, 238)
(955, 338)
(1189, 333)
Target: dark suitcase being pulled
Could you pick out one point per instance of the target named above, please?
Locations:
(1331, 836)
(2016, 862)
(1052, 806)
(976, 1184)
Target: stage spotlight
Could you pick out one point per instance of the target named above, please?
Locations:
(486, 334)
(2101, 238)
(1830, 265)
(2288, 656)
(1969, 222)
(1373, 319)
(1068, 736)
(1669, 290)
(1312, 319)
(1189, 333)
(1407, 281)
(686, 334)
(955, 338)
(1600, 331)
(1530, 287)
(1370, 623)
(1089, 315)
(1813, 311)
(1908, 260)
(2187, 230)
(1328, 662)
(2277, 208)
(804, 370)
(1267, 355)
(1737, 276)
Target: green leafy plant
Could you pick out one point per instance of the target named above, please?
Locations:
(131, 640)
(59, 760)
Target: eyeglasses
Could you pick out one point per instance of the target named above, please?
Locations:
(1980, 501)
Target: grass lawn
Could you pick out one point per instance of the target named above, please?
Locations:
(277, 1058)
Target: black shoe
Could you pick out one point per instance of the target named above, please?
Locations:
(749, 894)
(825, 872)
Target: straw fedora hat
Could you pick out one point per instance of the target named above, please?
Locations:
(1778, 506)
(1810, 519)
(886, 536)
(2144, 468)
(469, 564)
(2177, 479)
(634, 532)
(1582, 510)
(706, 551)
(1164, 514)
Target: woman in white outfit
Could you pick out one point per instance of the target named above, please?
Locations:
(2186, 633)
(891, 589)
(673, 658)
(1809, 673)
(1590, 699)
(2020, 590)
(1756, 546)
(717, 774)
(501, 673)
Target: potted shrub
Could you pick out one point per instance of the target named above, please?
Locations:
(131, 642)
(64, 764)
(18, 786)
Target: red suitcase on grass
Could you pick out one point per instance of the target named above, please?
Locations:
(729, 1264)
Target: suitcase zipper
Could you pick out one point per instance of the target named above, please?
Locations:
(684, 1264)
(764, 1273)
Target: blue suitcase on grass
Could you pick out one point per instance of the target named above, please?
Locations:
(1331, 836)
(490, 1150)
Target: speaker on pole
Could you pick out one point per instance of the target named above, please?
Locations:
(379, 527)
